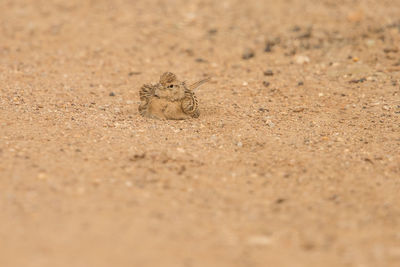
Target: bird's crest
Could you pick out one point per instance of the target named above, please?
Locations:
(167, 77)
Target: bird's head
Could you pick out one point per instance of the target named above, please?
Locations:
(170, 88)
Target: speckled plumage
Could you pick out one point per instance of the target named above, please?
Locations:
(169, 99)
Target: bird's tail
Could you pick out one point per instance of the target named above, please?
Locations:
(196, 85)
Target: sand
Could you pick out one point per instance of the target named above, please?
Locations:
(294, 160)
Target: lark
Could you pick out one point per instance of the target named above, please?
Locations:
(170, 99)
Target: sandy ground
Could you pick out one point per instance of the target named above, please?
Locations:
(294, 160)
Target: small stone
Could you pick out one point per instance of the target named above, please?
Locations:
(358, 80)
(355, 16)
(370, 42)
(245, 83)
(41, 176)
(339, 139)
(96, 182)
(386, 107)
(268, 73)
(134, 73)
(212, 31)
(266, 84)
(248, 53)
(396, 64)
(239, 144)
(268, 46)
(128, 183)
(300, 59)
(390, 50)
(280, 200)
(200, 60)
(306, 34)
(296, 28)
(270, 124)
(111, 94)
(298, 109)
(300, 83)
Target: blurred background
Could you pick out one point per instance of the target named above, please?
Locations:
(293, 162)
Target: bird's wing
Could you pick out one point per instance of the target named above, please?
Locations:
(190, 105)
(146, 92)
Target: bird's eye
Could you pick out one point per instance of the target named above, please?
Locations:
(171, 86)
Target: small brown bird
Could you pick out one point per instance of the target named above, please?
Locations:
(169, 99)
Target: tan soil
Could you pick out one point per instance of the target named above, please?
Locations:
(278, 175)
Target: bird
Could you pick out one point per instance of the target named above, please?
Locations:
(170, 98)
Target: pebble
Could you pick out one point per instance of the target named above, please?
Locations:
(355, 16)
(200, 60)
(298, 109)
(42, 176)
(212, 31)
(266, 84)
(268, 73)
(111, 94)
(390, 50)
(248, 53)
(370, 42)
(268, 46)
(239, 144)
(296, 28)
(245, 83)
(134, 73)
(300, 59)
(300, 83)
(271, 124)
(280, 201)
(358, 80)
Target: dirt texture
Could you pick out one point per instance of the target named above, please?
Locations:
(294, 160)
